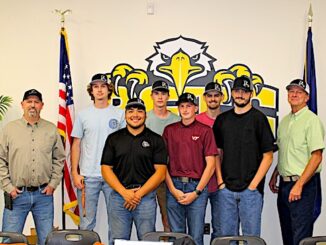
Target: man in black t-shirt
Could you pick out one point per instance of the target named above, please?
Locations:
(134, 164)
(245, 138)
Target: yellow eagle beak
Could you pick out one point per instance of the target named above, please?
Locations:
(180, 70)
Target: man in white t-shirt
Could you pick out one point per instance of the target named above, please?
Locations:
(91, 128)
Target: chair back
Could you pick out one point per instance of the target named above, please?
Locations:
(317, 240)
(12, 237)
(72, 237)
(175, 237)
(248, 240)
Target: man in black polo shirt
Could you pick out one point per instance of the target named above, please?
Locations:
(246, 141)
(133, 164)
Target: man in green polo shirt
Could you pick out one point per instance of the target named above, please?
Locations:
(301, 144)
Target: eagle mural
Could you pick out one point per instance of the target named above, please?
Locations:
(186, 66)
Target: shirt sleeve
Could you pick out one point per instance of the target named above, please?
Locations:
(77, 130)
(5, 182)
(160, 152)
(217, 133)
(315, 135)
(58, 158)
(108, 155)
(267, 140)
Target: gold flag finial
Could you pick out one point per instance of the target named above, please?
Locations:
(310, 14)
(62, 15)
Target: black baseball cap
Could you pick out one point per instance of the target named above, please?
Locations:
(100, 77)
(298, 83)
(160, 86)
(32, 92)
(243, 83)
(187, 97)
(136, 103)
(213, 86)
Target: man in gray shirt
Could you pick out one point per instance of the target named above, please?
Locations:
(156, 120)
(31, 162)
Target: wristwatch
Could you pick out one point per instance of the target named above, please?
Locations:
(198, 192)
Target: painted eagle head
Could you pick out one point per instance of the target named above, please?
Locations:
(180, 60)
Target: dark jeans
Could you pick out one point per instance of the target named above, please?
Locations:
(297, 218)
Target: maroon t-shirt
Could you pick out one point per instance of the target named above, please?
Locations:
(187, 148)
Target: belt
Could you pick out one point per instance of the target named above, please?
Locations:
(31, 188)
(185, 179)
(291, 178)
(133, 186)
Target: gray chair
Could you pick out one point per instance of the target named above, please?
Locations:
(72, 237)
(175, 237)
(247, 240)
(313, 240)
(12, 237)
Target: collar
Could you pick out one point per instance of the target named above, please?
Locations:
(299, 113)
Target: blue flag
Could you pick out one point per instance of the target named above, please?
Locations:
(310, 78)
(310, 73)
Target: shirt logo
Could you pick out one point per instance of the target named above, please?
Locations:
(194, 138)
(113, 123)
(145, 144)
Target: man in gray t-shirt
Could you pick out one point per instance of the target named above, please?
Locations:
(157, 120)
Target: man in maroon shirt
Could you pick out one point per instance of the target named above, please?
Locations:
(192, 150)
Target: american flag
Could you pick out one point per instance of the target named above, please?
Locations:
(65, 123)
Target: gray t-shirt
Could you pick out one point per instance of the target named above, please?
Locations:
(157, 124)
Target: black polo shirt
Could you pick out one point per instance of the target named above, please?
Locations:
(133, 157)
(244, 138)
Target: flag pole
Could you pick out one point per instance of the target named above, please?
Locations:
(62, 20)
(310, 15)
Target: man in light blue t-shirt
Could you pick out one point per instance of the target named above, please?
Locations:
(91, 128)
(156, 120)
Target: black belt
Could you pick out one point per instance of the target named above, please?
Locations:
(31, 188)
(133, 186)
(186, 179)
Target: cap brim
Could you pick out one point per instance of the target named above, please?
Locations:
(135, 105)
(212, 90)
(98, 80)
(185, 101)
(160, 89)
(298, 86)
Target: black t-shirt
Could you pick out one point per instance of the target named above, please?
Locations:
(243, 138)
(133, 157)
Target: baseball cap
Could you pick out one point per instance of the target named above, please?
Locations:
(212, 86)
(243, 83)
(187, 97)
(100, 77)
(32, 92)
(298, 83)
(160, 86)
(136, 103)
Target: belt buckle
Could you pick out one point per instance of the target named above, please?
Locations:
(185, 179)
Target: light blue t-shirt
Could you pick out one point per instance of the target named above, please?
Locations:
(92, 126)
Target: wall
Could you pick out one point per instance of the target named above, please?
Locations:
(268, 36)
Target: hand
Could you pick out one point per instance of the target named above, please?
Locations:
(273, 182)
(131, 197)
(252, 187)
(295, 193)
(178, 195)
(188, 198)
(78, 181)
(48, 190)
(15, 193)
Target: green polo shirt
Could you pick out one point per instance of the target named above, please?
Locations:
(298, 135)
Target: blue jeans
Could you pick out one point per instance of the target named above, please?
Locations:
(122, 219)
(297, 218)
(93, 187)
(237, 208)
(39, 204)
(192, 215)
(212, 196)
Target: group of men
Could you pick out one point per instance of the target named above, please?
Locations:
(218, 156)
